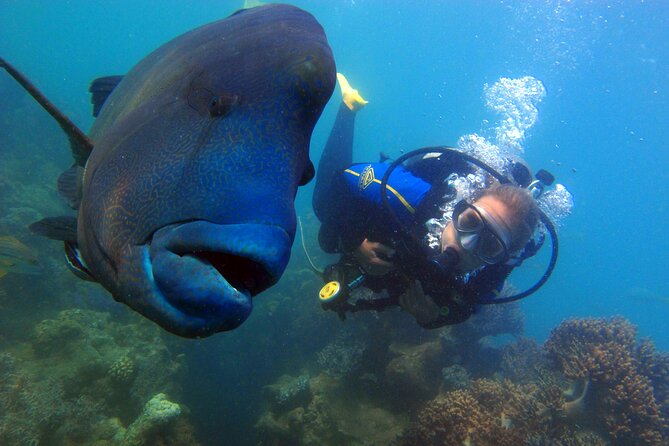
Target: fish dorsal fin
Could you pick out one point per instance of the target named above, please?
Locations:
(80, 144)
(56, 228)
(100, 90)
(70, 185)
(76, 263)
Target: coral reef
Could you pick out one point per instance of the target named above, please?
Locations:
(524, 361)
(490, 412)
(415, 371)
(122, 370)
(157, 415)
(288, 392)
(618, 396)
(83, 377)
(329, 417)
(591, 384)
(454, 377)
(342, 356)
(469, 343)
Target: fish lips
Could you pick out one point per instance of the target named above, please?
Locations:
(207, 273)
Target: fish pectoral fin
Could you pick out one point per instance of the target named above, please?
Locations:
(3, 273)
(307, 174)
(62, 228)
(76, 263)
(70, 185)
(100, 90)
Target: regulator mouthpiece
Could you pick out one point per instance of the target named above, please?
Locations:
(446, 261)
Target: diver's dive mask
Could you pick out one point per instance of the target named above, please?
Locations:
(480, 233)
(442, 263)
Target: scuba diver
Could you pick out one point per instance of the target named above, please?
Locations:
(409, 231)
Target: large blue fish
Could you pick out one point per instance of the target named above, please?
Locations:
(185, 185)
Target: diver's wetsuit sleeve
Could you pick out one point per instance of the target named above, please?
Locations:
(349, 223)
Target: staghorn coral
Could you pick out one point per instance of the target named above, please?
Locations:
(617, 396)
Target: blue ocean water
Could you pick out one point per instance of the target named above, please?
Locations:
(601, 129)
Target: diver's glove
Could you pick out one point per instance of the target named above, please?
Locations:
(421, 306)
(350, 95)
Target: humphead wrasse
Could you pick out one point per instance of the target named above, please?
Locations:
(185, 185)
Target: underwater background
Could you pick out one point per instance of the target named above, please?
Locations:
(78, 368)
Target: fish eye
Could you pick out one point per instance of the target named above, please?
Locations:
(221, 105)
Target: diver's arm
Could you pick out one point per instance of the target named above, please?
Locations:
(374, 257)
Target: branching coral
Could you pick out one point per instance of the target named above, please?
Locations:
(655, 366)
(523, 361)
(496, 413)
(619, 395)
(488, 413)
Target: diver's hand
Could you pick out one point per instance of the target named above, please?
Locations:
(421, 306)
(371, 256)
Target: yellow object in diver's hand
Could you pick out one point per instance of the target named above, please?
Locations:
(350, 95)
(330, 291)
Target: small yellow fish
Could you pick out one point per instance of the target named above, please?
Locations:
(15, 257)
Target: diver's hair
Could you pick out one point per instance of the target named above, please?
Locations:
(525, 215)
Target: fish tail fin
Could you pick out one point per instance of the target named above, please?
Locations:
(80, 144)
(351, 97)
(100, 90)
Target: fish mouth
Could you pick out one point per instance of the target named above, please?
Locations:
(205, 274)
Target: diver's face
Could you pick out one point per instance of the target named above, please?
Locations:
(498, 212)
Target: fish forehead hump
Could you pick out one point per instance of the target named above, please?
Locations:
(244, 53)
